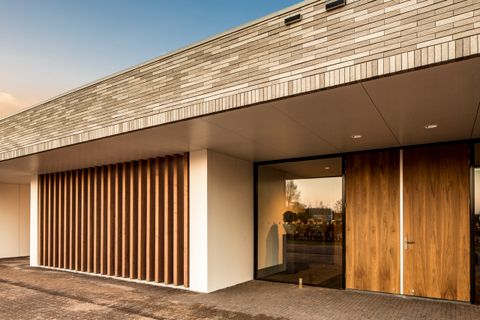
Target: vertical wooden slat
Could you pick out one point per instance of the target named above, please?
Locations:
(57, 219)
(150, 228)
(78, 214)
(141, 224)
(96, 220)
(51, 213)
(76, 259)
(66, 220)
(186, 221)
(50, 219)
(177, 222)
(125, 220)
(110, 221)
(45, 217)
(168, 224)
(89, 217)
(103, 220)
(89, 196)
(73, 205)
(60, 219)
(54, 221)
(45, 220)
(84, 213)
(159, 220)
(118, 220)
(40, 221)
(79, 219)
(133, 219)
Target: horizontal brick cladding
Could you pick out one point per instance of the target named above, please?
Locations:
(259, 62)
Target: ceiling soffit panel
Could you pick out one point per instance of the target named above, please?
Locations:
(265, 125)
(338, 114)
(447, 96)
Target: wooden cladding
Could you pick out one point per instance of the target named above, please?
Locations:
(373, 221)
(437, 222)
(127, 220)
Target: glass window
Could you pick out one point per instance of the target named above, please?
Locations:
(300, 222)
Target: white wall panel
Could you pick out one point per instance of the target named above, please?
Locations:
(14, 220)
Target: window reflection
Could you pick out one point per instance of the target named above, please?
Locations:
(300, 222)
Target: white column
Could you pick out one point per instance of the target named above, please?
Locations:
(198, 221)
(230, 221)
(221, 221)
(34, 221)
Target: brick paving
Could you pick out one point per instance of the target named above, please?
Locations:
(32, 293)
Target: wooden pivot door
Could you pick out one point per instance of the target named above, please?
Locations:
(436, 222)
(373, 221)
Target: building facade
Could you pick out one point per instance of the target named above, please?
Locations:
(335, 148)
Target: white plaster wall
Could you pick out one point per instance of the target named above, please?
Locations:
(14, 220)
(34, 221)
(271, 206)
(230, 221)
(221, 221)
(198, 221)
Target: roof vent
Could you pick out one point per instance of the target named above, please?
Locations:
(293, 19)
(335, 4)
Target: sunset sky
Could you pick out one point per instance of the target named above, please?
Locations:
(326, 191)
(51, 46)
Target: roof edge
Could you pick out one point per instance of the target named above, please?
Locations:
(169, 54)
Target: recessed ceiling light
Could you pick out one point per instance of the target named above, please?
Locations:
(356, 136)
(430, 126)
(327, 168)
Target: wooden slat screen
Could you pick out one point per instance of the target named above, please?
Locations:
(127, 220)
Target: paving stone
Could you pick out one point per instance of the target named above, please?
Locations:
(35, 293)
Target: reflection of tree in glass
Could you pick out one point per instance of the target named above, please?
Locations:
(292, 193)
(292, 197)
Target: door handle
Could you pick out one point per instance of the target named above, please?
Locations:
(406, 242)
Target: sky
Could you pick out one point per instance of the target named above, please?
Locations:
(326, 191)
(48, 47)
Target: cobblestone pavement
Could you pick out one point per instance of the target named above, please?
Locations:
(33, 293)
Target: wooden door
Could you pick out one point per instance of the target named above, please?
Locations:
(373, 221)
(436, 219)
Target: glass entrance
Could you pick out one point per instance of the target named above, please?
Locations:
(300, 222)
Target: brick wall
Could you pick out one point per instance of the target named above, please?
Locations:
(258, 62)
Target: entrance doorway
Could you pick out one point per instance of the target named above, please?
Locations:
(300, 222)
(436, 242)
(408, 221)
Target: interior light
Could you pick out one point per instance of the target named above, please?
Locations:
(430, 126)
(357, 136)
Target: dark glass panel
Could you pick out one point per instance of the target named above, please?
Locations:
(300, 222)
